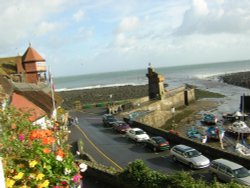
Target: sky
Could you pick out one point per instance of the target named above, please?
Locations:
(93, 36)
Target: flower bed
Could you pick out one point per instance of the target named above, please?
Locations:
(34, 157)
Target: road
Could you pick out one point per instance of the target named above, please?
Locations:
(113, 149)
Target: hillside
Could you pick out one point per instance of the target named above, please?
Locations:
(8, 65)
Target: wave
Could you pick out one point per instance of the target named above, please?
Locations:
(98, 86)
(216, 75)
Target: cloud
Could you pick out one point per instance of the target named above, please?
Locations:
(212, 17)
(46, 27)
(117, 35)
(19, 20)
(79, 15)
(200, 7)
(128, 24)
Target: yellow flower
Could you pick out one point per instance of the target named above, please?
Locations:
(32, 175)
(48, 167)
(24, 186)
(18, 176)
(44, 184)
(9, 183)
(33, 163)
(39, 176)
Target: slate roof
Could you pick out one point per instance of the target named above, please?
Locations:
(26, 106)
(40, 99)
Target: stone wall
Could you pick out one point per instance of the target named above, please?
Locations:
(160, 110)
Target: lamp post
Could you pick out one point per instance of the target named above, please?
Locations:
(110, 104)
(173, 117)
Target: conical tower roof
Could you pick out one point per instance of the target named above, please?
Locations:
(32, 55)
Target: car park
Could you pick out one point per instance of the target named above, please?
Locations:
(157, 143)
(137, 135)
(121, 126)
(228, 171)
(189, 156)
(108, 120)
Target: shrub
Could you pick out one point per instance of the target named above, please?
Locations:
(138, 175)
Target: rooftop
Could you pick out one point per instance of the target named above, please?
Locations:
(32, 55)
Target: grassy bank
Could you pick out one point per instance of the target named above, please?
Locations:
(200, 94)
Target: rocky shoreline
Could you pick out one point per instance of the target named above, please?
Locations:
(100, 95)
(119, 93)
(241, 79)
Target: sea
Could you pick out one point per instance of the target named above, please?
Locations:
(174, 76)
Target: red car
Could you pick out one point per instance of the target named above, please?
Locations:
(121, 126)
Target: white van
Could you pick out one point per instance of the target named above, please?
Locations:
(228, 171)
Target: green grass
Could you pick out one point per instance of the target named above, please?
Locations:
(200, 94)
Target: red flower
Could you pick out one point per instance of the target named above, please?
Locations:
(46, 150)
(64, 183)
(60, 153)
(48, 140)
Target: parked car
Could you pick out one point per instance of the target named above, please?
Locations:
(228, 171)
(108, 120)
(189, 156)
(121, 126)
(157, 143)
(137, 135)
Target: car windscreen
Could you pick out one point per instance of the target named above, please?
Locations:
(159, 140)
(241, 172)
(193, 153)
(110, 118)
(123, 125)
(139, 132)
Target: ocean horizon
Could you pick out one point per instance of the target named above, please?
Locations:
(174, 76)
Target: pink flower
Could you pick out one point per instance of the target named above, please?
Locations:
(76, 178)
(21, 137)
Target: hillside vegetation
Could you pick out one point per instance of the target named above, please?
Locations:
(8, 65)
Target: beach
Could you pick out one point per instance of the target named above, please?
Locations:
(104, 94)
(121, 93)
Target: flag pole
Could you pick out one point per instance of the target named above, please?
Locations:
(54, 114)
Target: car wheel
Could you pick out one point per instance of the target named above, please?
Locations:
(214, 176)
(174, 158)
(191, 165)
(154, 149)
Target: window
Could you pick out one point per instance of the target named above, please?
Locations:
(241, 172)
(223, 168)
(214, 165)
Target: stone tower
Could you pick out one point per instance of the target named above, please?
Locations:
(34, 66)
(156, 88)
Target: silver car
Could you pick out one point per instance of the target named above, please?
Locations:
(189, 156)
(137, 135)
(228, 171)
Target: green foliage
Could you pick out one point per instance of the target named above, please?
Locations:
(138, 175)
